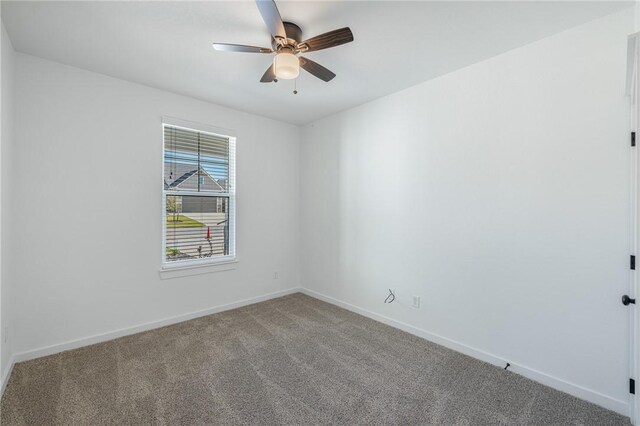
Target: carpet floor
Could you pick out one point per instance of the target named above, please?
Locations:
(293, 360)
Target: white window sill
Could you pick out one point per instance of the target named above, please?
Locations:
(197, 269)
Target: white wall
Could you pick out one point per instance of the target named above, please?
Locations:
(499, 194)
(87, 185)
(6, 137)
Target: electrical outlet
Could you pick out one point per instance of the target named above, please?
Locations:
(416, 301)
(275, 275)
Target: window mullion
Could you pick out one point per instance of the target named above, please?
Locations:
(196, 193)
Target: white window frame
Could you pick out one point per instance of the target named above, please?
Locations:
(230, 193)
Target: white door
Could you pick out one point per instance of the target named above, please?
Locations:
(633, 91)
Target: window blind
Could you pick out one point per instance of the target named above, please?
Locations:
(191, 157)
(198, 173)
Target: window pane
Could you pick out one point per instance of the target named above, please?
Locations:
(195, 161)
(196, 227)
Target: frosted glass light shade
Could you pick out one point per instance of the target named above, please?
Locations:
(286, 65)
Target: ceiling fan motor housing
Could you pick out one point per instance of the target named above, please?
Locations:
(294, 36)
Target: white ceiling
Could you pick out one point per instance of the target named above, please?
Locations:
(397, 44)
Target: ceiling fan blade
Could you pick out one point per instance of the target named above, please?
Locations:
(316, 69)
(240, 48)
(326, 40)
(271, 17)
(269, 75)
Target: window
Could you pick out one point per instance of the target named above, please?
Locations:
(198, 195)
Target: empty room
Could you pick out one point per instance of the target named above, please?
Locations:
(319, 212)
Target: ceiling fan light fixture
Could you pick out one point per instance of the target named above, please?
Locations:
(286, 65)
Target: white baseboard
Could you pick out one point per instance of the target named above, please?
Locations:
(621, 407)
(103, 337)
(6, 375)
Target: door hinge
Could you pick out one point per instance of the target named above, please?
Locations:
(632, 262)
(632, 386)
(633, 138)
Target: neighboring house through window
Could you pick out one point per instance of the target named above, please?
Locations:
(198, 194)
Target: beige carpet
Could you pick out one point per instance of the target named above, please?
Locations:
(292, 360)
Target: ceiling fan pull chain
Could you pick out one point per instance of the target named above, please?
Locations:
(295, 86)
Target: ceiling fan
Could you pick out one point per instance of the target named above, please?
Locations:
(287, 45)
